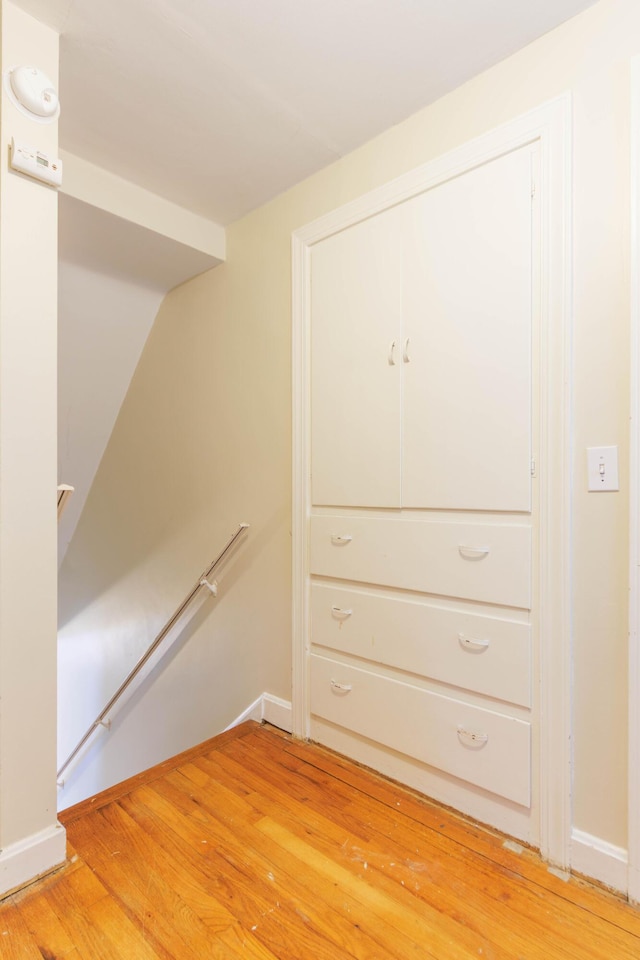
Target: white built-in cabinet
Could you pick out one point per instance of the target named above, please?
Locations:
(421, 349)
(421, 519)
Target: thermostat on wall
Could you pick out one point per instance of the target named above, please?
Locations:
(36, 164)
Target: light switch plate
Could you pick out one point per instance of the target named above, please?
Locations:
(602, 468)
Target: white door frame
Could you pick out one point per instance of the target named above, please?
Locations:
(634, 502)
(550, 126)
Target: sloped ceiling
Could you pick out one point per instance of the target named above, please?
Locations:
(219, 105)
(113, 275)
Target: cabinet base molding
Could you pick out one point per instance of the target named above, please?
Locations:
(472, 801)
(599, 860)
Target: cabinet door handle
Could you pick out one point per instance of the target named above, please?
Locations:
(340, 614)
(340, 687)
(471, 739)
(471, 644)
(339, 539)
(392, 354)
(405, 352)
(473, 553)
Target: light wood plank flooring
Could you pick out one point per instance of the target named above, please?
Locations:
(257, 846)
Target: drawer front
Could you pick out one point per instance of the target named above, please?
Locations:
(473, 561)
(482, 747)
(479, 653)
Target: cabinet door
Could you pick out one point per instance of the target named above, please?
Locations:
(468, 319)
(355, 365)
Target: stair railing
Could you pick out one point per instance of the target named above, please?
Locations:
(203, 582)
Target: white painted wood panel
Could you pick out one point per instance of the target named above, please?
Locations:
(484, 654)
(468, 798)
(356, 365)
(473, 561)
(481, 746)
(467, 259)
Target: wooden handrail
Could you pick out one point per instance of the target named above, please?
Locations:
(203, 581)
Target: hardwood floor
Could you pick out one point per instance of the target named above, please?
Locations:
(257, 846)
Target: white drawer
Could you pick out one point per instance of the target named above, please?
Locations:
(480, 746)
(474, 561)
(469, 650)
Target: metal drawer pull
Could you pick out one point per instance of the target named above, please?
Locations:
(340, 687)
(340, 614)
(471, 739)
(471, 644)
(473, 553)
(338, 539)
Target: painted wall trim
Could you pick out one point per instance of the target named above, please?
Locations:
(301, 467)
(252, 712)
(550, 125)
(30, 840)
(271, 709)
(633, 839)
(600, 860)
(277, 712)
(100, 188)
(30, 858)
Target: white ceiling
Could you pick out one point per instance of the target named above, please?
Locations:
(219, 105)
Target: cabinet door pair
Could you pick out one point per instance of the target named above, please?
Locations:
(421, 349)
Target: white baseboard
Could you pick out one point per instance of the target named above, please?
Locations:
(273, 710)
(277, 712)
(634, 884)
(252, 712)
(600, 860)
(27, 859)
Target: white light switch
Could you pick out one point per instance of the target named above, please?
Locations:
(602, 467)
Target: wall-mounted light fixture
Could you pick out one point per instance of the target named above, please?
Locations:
(32, 93)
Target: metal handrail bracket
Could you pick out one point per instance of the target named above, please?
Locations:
(202, 581)
(64, 492)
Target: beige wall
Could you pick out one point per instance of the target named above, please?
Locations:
(29, 839)
(203, 439)
(197, 449)
(103, 323)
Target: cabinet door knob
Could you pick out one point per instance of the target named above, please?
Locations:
(405, 352)
(340, 687)
(471, 739)
(340, 614)
(472, 553)
(339, 539)
(471, 644)
(392, 354)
